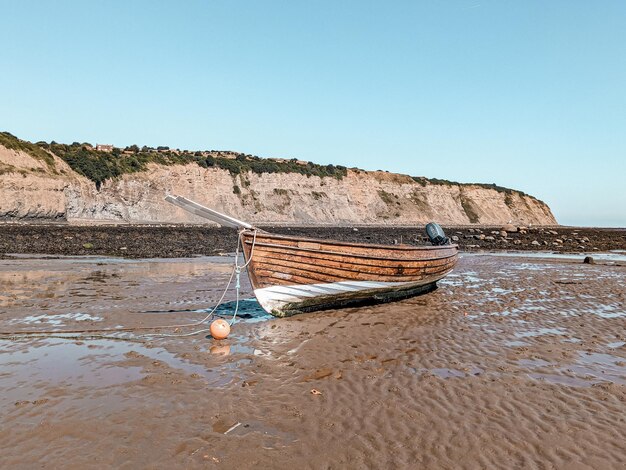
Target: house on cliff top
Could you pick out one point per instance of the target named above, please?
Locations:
(104, 147)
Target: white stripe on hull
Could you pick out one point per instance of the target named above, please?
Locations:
(274, 298)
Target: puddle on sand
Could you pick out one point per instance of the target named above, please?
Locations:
(572, 340)
(610, 311)
(272, 438)
(27, 368)
(560, 379)
(55, 320)
(448, 373)
(534, 363)
(588, 370)
(540, 332)
(604, 367)
(515, 344)
(611, 256)
(82, 284)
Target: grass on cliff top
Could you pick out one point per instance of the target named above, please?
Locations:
(11, 142)
(501, 189)
(99, 166)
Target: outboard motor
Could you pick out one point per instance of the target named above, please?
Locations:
(436, 235)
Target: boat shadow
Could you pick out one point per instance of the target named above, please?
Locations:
(249, 310)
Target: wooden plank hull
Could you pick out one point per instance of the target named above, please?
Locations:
(292, 275)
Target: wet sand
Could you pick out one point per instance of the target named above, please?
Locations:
(512, 363)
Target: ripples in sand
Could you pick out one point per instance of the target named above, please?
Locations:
(511, 363)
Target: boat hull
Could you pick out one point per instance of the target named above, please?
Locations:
(293, 275)
(275, 301)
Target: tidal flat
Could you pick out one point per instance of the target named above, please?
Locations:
(513, 362)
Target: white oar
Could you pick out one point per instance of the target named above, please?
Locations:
(202, 211)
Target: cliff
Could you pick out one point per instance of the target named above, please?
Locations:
(39, 182)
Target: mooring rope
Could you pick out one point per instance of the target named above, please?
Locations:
(238, 270)
(90, 332)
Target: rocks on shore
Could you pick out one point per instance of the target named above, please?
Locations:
(181, 241)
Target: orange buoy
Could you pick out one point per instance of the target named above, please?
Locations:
(220, 329)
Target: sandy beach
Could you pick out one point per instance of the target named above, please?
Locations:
(514, 362)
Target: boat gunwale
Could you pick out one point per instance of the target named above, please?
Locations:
(355, 255)
(403, 247)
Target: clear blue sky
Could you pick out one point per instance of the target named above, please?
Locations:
(527, 94)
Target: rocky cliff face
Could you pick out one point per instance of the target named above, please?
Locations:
(33, 189)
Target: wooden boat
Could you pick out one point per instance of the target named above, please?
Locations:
(292, 275)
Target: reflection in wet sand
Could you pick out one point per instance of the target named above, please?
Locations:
(105, 287)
